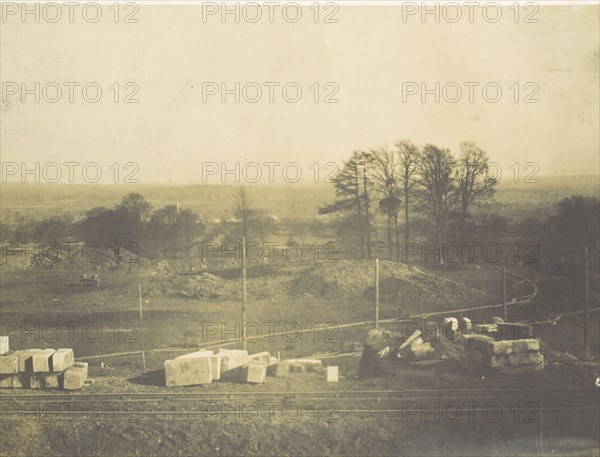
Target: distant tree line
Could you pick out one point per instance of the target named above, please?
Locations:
(384, 198)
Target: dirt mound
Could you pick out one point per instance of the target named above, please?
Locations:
(404, 287)
(343, 279)
(203, 286)
(77, 256)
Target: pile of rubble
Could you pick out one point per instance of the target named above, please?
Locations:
(203, 367)
(502, 347)
(40, 368)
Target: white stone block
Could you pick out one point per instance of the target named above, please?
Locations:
(333, 374)
(4, 348)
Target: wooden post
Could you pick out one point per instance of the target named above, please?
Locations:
(142, 327)
(586, 322)
(376, 293)
(243, 293)
(504, 292)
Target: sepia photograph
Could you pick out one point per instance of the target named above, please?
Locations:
(300, 229)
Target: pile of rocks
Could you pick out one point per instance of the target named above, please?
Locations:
(204, 367)
(507, 348)
(40, 368)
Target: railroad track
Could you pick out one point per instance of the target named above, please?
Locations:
(517, 405)
(522, 406)
(553, 396)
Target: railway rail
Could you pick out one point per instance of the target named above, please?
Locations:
(556, 396)
(518, 405)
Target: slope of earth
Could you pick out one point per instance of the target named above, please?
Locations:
(404, 289)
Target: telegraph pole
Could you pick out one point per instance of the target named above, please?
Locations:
(243, 292)
(142, 327)
(586, 322)
(376, 293)
(504, 292)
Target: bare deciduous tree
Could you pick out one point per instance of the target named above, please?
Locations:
(385, 178)
(475, 183)
(408, 155)
(243, 212)
(436, 189)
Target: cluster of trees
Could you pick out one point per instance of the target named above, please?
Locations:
(429, 180)
(167, 231)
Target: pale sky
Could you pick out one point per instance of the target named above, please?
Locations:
(368, 54)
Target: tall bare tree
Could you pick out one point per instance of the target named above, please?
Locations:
(436, 189)
(243, 212)
(475, 183)
(408, 158)
(385, 177)
(353, 185)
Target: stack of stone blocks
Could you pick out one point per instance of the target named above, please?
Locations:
(40, 368)
(507, 348)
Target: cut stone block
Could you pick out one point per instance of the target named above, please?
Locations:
(62, 359)
(232, 358)
(26, 359)
(215, 361)
(42, 362)
(19, 381)
(515, 346)
(487, 345)
(4, 345)
(515, 331)
(10, 381)
(262, 357)
(83, 365)
(6, 381)
(257, 373)
(9, 364)
(74, 378)
(188, 371)
(332, 374)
